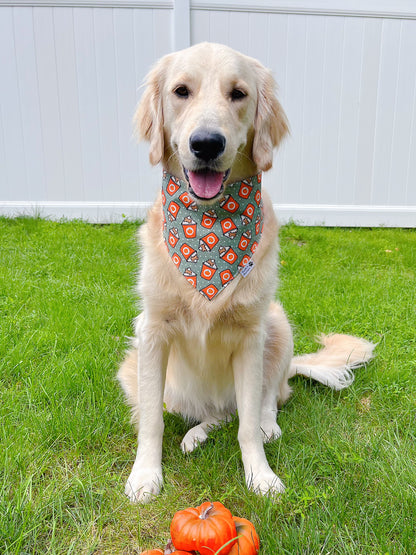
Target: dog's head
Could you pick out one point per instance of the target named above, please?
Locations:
(211, 117)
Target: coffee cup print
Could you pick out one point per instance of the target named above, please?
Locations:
(208, 242)
(189, 227)
(190, 276)
(208, 269)
(244, 240)
(208, 219)
(173, 237)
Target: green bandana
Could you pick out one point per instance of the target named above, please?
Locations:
(211, 244)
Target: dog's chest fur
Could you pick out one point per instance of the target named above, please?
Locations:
(172, 300)
(204, 335)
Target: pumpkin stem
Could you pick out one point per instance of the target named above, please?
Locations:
(205, 513)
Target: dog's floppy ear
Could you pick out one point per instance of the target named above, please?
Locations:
(270, 125)
(148, 119)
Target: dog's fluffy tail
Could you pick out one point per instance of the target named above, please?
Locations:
(333, 364)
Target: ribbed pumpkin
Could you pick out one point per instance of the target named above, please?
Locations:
(248, 542)
(208, 529)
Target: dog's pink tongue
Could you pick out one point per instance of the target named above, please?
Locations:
(206, 185)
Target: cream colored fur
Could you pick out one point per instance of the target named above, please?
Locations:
(205, 359)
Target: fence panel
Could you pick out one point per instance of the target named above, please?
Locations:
(347, 80)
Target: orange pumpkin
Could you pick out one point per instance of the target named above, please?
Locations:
(248, 542)
(166, 552)
(208, 529)
(170, 550)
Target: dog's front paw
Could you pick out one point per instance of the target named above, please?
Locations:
(143, 484)
(265, 483)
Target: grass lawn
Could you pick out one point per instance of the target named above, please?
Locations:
(347, 458)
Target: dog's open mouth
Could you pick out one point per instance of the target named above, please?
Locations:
(206, 184)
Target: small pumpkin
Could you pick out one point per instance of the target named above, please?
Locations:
(180, 552)
(248, 542)
(208, 529)
(170, 550)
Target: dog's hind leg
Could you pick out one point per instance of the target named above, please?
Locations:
(278, 353)
(198, 434)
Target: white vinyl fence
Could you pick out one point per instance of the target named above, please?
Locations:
(69, 81)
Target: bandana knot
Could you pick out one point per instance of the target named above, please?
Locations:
(211, 245)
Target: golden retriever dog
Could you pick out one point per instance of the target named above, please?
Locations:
(211, 339)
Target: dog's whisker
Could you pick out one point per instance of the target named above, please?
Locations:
(243, 155)
(175, 154)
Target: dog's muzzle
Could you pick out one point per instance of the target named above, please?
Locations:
(205, 178)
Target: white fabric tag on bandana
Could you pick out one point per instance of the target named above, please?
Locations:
(245, 270)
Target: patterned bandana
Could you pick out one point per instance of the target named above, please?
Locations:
(211, 244)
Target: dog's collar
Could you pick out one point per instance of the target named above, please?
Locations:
(211, 245)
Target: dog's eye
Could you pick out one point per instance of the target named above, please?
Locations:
(182, 91)
(237, 94)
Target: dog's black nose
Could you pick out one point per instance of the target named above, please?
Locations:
(206, 145)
